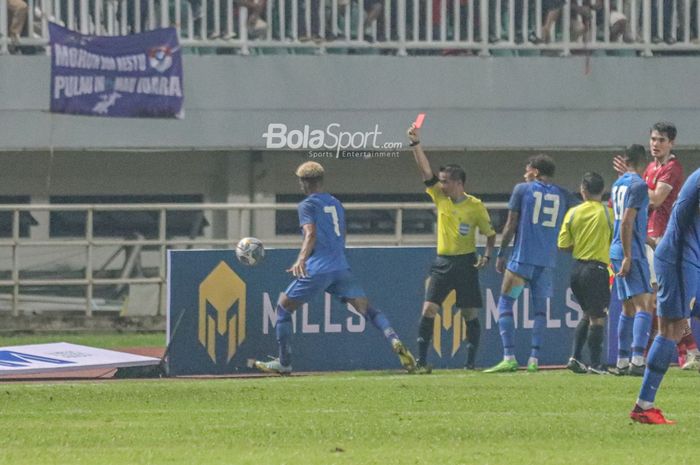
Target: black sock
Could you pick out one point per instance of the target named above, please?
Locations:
(595, 343)
(473, 338)
(425, 335)
(580, 334)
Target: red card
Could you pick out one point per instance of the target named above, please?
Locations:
(419, 120)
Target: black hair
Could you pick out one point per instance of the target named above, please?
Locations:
(454, 172)
(542, 163)
(635, 155)
(664, 127)
(593, 183)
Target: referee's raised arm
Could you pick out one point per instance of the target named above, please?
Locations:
(421, 159)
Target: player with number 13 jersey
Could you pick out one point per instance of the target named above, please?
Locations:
(535, 213)
(542, 207)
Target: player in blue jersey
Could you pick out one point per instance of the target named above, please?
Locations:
(322, 266)
(677, 264)
(536, 210)
(630, 202)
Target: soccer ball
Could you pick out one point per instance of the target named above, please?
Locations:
(250, 251)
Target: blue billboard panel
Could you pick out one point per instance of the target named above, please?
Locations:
(222, 313)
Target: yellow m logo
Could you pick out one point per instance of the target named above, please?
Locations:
(448, 320)
(221, 290)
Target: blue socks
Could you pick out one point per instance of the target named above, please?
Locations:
(506, 324)
(660, 355)
(640, 331)
(380, 321)
(283, 331)
(539, 325)
(624, 336)
(538, 328)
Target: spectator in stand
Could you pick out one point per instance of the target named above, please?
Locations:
(580, 18)
(257, 26)
(17, 10)
(373, 10)
(619, 26)
(666, 34)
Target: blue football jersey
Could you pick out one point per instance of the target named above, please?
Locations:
(328, 214)
(681, 241)
(630, 191)
(541, 207)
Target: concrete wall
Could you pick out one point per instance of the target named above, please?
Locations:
(239, 176)
(495, 103)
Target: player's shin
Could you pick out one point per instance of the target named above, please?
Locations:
(473, 338)
(425, 335)
(660, 355)
(381, 322)
(506, 325)
(580, 336)
(624, 338)
(640, 336)
(538, 327)
(595, 343)
(283, 331)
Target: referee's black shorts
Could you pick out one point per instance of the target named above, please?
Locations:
(590, 283)
(456, 272)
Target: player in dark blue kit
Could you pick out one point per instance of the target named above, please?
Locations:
(535, 213)
(630, 202)
(677, 264)
(322, 266)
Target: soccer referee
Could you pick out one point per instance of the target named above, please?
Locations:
(457, 265)
(587, 230)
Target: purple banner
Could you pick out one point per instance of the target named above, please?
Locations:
(138, 75)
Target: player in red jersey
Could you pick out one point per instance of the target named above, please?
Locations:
(664, 177)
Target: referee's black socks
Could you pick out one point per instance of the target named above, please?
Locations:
(595, 343)
(473, 338)
(425, 335)
(580, 335)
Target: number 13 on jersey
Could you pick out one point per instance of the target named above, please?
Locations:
(546, 209)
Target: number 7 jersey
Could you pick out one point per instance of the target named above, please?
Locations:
(541, 207)
(328, 214)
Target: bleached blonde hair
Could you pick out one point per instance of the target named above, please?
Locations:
(310, 170)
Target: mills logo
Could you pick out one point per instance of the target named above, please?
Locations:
(449, 320)
(222, 300)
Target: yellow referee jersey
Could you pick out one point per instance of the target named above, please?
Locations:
(457, 222)
(588, 227)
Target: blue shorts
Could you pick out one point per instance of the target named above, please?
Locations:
(636, 282)
(539, 278)
(678, 288)
(341, 284)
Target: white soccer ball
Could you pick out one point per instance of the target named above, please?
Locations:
(250, 251)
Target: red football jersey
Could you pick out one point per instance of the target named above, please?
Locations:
(672, 174)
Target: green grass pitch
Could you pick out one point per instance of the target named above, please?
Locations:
(449, 417)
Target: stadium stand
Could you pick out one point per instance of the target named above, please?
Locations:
(391, 26)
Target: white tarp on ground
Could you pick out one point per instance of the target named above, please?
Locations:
(62, 356)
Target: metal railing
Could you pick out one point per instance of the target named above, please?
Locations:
(238, 224)
(405, 26)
